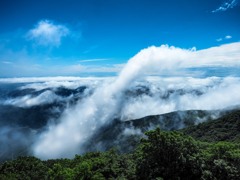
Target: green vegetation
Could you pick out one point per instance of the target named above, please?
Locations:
(160, 155)
(226, 128)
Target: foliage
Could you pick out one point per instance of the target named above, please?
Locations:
(169, 155)
(23, 168)
(223, 159)
(226, 128)
(160, 155)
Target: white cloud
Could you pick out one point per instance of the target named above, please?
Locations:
(224, 38)
(49, 81)
(226, 5)
(226, 55)
(174, 94)
(164, 58)
(94, 60)
(31, 70)
(228, 37)
(28, 101)
(6, 62)
(107, 68)
(47, 33)
(77, 69)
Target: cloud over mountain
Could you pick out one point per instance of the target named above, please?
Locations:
(78, 124)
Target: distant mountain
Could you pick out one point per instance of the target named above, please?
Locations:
(174, 120)
(124, 135)
(34, 117)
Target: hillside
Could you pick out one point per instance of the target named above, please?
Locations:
(124, 135)
(160, 155)
(225, 128)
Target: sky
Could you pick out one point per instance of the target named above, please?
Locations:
(97, 37)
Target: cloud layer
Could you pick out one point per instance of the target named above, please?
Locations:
(35, 103)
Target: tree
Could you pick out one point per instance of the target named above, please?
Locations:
(168, 155)
(24, 168)
(223, 160)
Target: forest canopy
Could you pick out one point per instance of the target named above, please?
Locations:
(160, 155)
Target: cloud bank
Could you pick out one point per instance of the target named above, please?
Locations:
(78, 124)
(47, 33)
(36, 106)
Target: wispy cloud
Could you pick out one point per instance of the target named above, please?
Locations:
(226, 55)
(115, 68)
(226, 5)
(72, 69)
(224, 38)
(6, 62)
(94, 60)
(228, 37)
(47, 33)
(78, 68)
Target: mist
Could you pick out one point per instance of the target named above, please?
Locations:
(15, 141)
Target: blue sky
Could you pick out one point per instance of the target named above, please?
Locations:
(96, 37)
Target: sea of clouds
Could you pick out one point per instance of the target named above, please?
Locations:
(132, 94)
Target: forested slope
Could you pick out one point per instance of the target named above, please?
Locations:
(159, 155)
